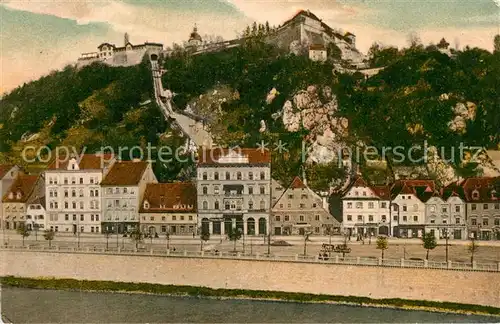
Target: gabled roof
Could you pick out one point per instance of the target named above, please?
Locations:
(4, 168)
(125, 173)
(85, 162)
(254, 156)
(484, 187)
(317, 47)
(100, 46)
(297, 183)
(381, 191)
(170, 197)
(410, 187)
(23, 184)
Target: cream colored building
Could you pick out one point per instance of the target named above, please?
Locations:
(169, 208)
(300, 210)
(123, 189)
(73, 193)
(8, 174)
(16, 198)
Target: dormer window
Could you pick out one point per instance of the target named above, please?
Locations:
(475, 195)
(493, 194)
(19, 195)
(146, 204)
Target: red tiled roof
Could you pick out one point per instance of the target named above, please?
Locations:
(420, 188)
(382, 192)
(125, 173)
(484, 187)
(4, 168)
(255, 156)
(87, 162)
(297, 183)
(167, 197)
(23, 184)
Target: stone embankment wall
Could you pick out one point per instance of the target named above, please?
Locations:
(482, 288)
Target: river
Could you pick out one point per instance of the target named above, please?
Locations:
(44, 306)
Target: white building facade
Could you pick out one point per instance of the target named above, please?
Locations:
(365, 210)
(73, 194)
(234, 189)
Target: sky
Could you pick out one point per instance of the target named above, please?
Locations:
(39, 36)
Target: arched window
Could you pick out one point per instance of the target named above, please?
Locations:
(216, 175)
(205, 177)
(216, 206)
(262, 175)
(73, 193)
(205, 190)
(205, 205)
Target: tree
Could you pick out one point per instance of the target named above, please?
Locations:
(382, 244)
(49, 236)
(472, 248)
(268, 29)
(234, 235)
(137, 237)
(496, 43)
(443, 44)
(414, 40)
(429, 242)
(254, 29)
(23, 231)
(204, 237)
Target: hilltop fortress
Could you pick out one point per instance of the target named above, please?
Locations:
(303, 34)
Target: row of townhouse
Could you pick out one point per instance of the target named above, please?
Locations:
(408, 208)
(96, 193)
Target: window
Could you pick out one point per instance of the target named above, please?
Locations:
(395, 218)
(473, 221)
(216, 190)
(190, 218)
(360, 218)
(182, 217)
(205, 177)
(124, 190)
(356, 193)
(349, 205)
(250, 190)
(74, 218)
(91, 218)
(81, 218)
(74, 204)
(81, 229)
(302, 205)
(301, 218)
(287, 218)
(205, 190)
(371, 205)
(73, 180)
(444, 209)
(314, 205)
(57, 228)
(81, 180)
(262, 176)
(497, 221)
(457, 209)
(497, 206)
(81, 204)
(485, 221)
(405, 218)
(278, 218)
(303, 196)
(364, 193)
(475, 195)
(384, 218)
(66, 217)
(370, 218)
(163, 229)
(238, 175)
(65, 180)
(228, 176)
(457, 220)
(433, 221)
(66, 193)
(262, 190)
(316, 230)
(152, 218)
(262, 205)
(216, 205)
(97, 229)
(485, 206)
(316, 217)
(80, 192)
(349, 217)
(250, 175)
(250, 205)
(405, 208)
(97, 219)
(205, 205)
(92, 229)
(359, 205)
(216, 175)
(473, 207)
(91, 180)
(175, 217)
(383, 205)
(66, 205)
(415, 218)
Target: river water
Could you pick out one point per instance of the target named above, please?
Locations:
(44, 306)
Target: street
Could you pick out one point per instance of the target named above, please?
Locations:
(488, 251)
